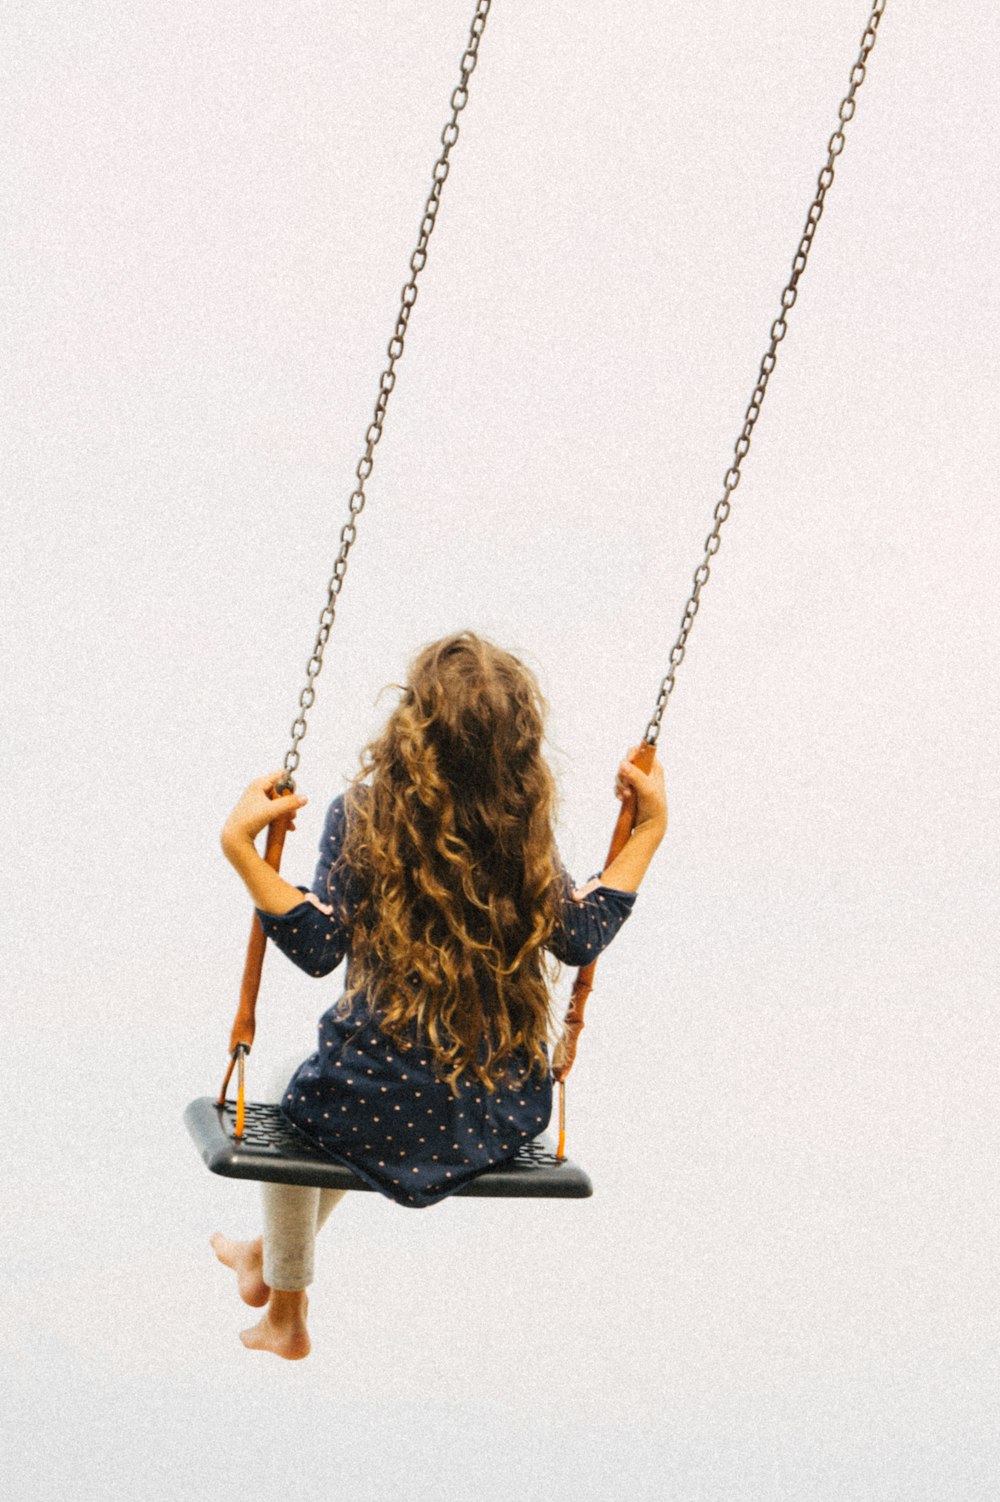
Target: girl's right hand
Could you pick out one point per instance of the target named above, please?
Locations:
(256, 808)
(650, 794)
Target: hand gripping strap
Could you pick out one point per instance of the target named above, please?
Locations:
(242, 1035)
(565, 1053)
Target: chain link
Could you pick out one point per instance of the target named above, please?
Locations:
(779, 328)
(349, 531)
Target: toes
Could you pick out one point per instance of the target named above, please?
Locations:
(219, 1246)
(291, 1347)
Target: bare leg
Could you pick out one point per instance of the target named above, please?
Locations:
(276, 1268)
(293, 1213)
(283, 1328)
(246, 1258)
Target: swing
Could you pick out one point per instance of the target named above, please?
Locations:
(249, 1140)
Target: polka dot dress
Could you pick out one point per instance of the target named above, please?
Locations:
(377, 1105)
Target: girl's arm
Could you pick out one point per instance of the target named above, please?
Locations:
(254, 812)
(629, 866)
(307, 926)
(269, 891)
(593, 915)
(588, 919)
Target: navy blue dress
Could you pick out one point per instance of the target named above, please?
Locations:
(377, 1106)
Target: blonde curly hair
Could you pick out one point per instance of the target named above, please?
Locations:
(452, 863)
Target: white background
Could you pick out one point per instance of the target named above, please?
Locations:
(785, 1285)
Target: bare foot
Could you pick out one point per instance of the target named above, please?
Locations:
(283, 1328)
(246, 1258)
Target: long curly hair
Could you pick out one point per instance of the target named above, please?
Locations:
(452, 868)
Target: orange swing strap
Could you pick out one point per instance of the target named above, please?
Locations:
(241, 1037)
(584, 982)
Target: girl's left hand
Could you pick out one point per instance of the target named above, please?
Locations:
(650, 796)
(256, 809)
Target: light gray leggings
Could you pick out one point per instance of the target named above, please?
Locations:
(293, 1213)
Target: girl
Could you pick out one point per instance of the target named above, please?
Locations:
(440, 880)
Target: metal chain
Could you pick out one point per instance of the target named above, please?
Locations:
(348, 533)
(767, 364)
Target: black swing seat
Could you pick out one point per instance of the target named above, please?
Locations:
(274, 1150)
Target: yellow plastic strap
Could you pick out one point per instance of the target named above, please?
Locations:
(240, 1100)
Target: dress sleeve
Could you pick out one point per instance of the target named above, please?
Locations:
(317, 941)
(588, 921)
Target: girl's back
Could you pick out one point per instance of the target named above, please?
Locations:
(439, 878)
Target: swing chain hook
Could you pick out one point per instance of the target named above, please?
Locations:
(349, 531)
(779, 328)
